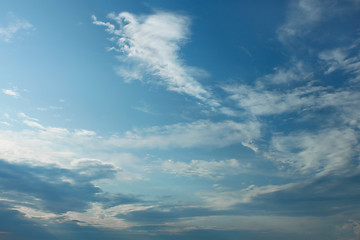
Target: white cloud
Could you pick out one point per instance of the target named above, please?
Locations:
(186, 135)
(10, 92)
(42, 145)
(303, 15)
(265, 102)
(45, 146)
(14, 26)
(207, 169)
(223, 200)
(84, 132)
(343, 59)
(23, 115)
(352, 225)
(151, 45)
(95, 216)
(5, 123)
(296, 72)
(34, 124)
(259, 101)
(328, 151)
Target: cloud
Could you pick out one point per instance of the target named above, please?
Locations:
(306, 18)
(57, 195)
(303, 15)
(38, 144)
(268, 102)
(33, 124)
(213, 170)
(151, 45)
(84, 132)
(328, 151)
(11, 221)
(284, 75)
(224, 200)
(10, 93)
(323, 196)
(23, 115)
(252, 227)
(50, 189)
(14, 26)
(343, 58)
(194, 134)
(303, 100)
(353, 225)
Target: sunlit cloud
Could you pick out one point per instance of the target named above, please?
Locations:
(151, 45)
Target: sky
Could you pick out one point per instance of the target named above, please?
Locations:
(159, 120)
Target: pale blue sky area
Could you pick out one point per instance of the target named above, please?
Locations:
(179, 120)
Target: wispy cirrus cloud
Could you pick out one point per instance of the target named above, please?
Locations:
(193, 134)
(295, 72)
(223, 200)
(330, 151)
(266, 102)
(15, 25)
(343, 59)
(151, 45)
(302, 16)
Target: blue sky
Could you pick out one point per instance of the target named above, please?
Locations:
(179, 120)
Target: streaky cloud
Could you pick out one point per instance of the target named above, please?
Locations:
(151, 45)
(15, 25)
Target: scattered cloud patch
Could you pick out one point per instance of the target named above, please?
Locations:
(23, 115)
(343, 58)
(213, 170)
(266, 102)
(14, 26)
(10, 92)
(303, 15)
(84, 132)
(224, 200)
(48, 189)
(5, 123)
(328, 151)
(287, 75)
(186, 135)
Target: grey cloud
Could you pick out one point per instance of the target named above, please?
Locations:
(14, 226)
(55, 189)
(323, 196)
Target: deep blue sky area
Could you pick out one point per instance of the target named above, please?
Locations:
(159, 120)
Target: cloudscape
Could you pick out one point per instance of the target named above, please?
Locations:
(180, 120)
